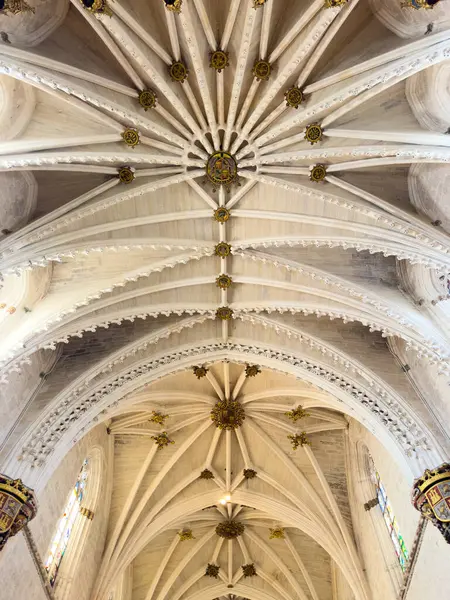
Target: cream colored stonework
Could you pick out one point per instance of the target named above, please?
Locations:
(339, 293)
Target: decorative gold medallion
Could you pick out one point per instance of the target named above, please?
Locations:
(97, 6)
(162, 440)
(200, 372)
(224, 281)
(261, 70)
(230, 529)
(218, 60)
(297, 413)
(15, 7)
(221, 215)
(221, 169)
(249, 570)
(173, 5)
(186, 534)
(299, 439)
(17, 507)
(131, 137)
(126, 175)
(277, 533)
(294, 97)
(313, 133)
(158, 418)
(178, 71)
(222, 249)
(228, 414)
(225, 313)
(258, 3)
(147, 99)
(318, 173)
(212, 571)
(252, 370)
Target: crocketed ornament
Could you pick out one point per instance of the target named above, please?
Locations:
(228, 414)
(230, 529)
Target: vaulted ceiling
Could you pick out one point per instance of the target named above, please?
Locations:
(111, 289)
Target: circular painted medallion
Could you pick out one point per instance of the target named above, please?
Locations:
(261, 70)
(222, 249)
(131, 137)
(178, 71)
(221, 169)
(294, 97)
(147, 99)
(222, 214)
(318, 173)
(313, 133)
(219, 60)
(225, 313)
(126, 175)
(224, 281)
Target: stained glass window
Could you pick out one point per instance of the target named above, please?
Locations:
(389, 517)
(65, 525)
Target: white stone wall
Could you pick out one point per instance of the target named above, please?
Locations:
(431, 576)
(372, 538)
(17, 572)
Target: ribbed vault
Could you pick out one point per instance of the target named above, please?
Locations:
(330, 248)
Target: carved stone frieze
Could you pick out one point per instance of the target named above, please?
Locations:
(57, 423)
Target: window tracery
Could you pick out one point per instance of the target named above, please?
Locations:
(65, 525)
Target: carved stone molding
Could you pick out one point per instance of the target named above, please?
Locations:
(62, 417)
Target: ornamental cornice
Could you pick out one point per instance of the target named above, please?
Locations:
(384, 77)
(158, 268)
(382, 389)
(60, 254)
(383, 218)
(426, 348)
(328, 280)
(44, 440)
(15, 365)
(357, 244)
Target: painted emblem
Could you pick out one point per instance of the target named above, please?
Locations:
(218, 60)
(178, 71)
(221, 169)
(147, 99)
(438, 498)
(9, 509)
(318, 173)
(17, 507)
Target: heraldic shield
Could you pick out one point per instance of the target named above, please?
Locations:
(431, 496)
(17, 507)
(439, 500)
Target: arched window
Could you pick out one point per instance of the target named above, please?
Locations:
(389, 517)
(65, 525)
